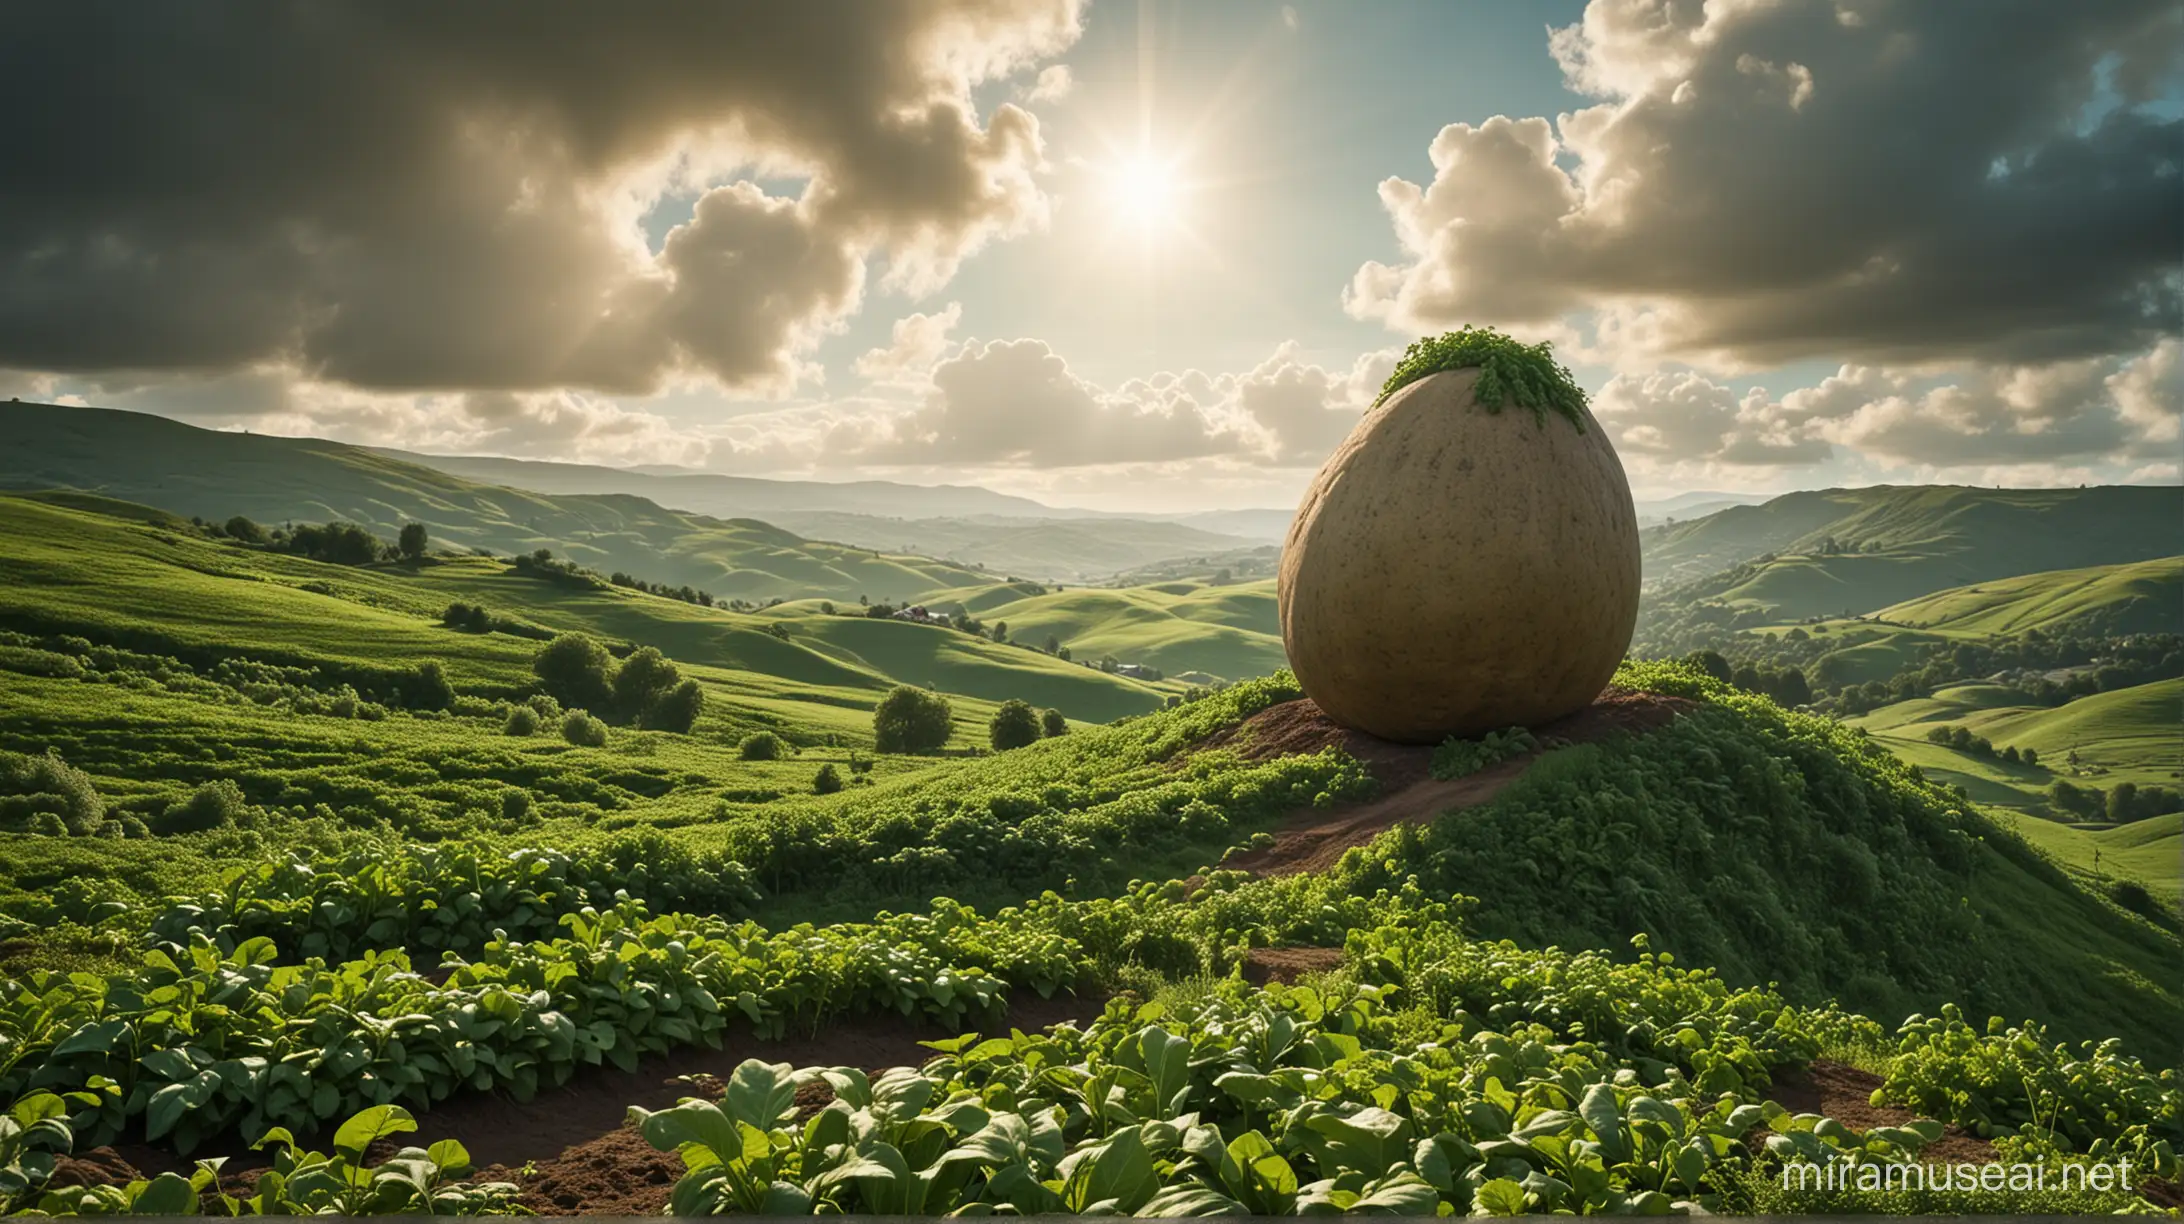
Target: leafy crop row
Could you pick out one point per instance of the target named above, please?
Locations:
(444, 898)
(202, 1042)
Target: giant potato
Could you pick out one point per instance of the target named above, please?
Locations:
(1454, 570)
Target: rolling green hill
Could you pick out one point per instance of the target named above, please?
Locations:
(66, 567)
(2126, 735)
(1228, 631)
(1893, 544)
(2143, 597)
(1068, 550)
(198, 472)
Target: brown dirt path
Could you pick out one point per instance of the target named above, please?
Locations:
(1313, 840)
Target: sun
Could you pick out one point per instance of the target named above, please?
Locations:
(1147, 192)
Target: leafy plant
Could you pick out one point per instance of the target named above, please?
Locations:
(1509, 372)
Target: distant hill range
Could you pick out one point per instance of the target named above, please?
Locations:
(1859, 550)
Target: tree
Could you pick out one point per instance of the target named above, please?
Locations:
(1014, 725)
(643, 678)
(522, 721)
(910, 719)
(412, 541)
(1053, 645)
(573, 669)
(1000, 631)
(827, 781)
(2121, 799)
(243, 529)
(428, 688)
(677, 709)
(1711, 662)
(1051, 723)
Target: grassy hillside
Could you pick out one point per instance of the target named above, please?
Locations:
(1068, 550)
(123, 581)
(1228, 630)
(189, 471)
(1895, 544)
(2143, 597)
(2126, 735)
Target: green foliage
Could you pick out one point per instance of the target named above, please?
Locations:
(1052, 723)
(827, 781)
(2093, 1100)
(1458, 757)
(46, 785)
(575, 671)
(642, 679)
(1509, 372)
(762, 746)
(429, 688)
(1014, 725)
(910, 719)
(581, 729)
(676, 709)
(412, 540)
(214, 805)
(202, 1043)
(434, 899)
(522, 721)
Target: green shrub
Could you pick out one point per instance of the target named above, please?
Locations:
(676, 709)
(1052, 723)
(761, 746)
(574, 670)
(581, 729)
(1014, 725)
(214, 805)
(827, 781)
(523, 720)
(911, 719)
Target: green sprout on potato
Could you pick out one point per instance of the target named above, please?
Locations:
(1509, 372)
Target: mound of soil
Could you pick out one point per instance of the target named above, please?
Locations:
(1313, 840)
(1845, 1093)
(1285, 965)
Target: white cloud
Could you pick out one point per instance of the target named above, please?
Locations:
(1770, 181)
(918, 343)
(1053, 84)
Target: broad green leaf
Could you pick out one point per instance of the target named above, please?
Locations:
(370, 1125)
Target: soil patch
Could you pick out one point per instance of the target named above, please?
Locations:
(1845, 1093)
(1313, 840)
(1286, 965)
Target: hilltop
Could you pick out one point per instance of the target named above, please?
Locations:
(2141, 597)
(1857, 550)
(211, 474)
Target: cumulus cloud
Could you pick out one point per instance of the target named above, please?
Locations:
(2058, 417)
(441, 197)
(1768, 181)
(1053, 84)
(916, 346)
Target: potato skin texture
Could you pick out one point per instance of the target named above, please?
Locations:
(1453, 571)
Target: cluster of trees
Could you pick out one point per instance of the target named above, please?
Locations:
(1963, 740)
(1786, 686)
(685, 592)
(2122, 803)
(337, 543)
(541, 563)
(1016, 724)
(645, 689)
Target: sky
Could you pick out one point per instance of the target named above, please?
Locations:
(1117, 254)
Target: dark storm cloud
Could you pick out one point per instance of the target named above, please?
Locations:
(445, 195)
(1892, 181)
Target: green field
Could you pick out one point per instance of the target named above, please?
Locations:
(65, 569)
(212, 475)
(1228, 631)
(1900, 544)
(2145, 597)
